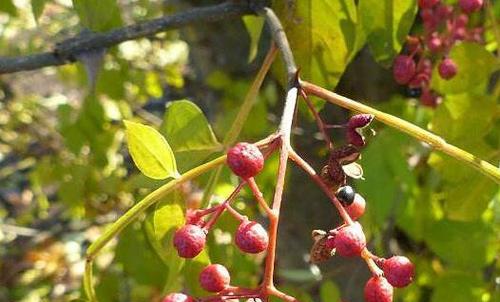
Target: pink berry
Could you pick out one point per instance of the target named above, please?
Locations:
(377, 289)
(360, 120)
(245, 160)
(398, 270)
(214, 278)
(357, 208)
(177, 297)
(427, 3)
(434, 43)
(429, 98)
(447, 69)
(189, 241)
(470, 6)
(403, 69)
(462, 20)
(251, 237)
(419, 80)
(350, 240)
(444, 11)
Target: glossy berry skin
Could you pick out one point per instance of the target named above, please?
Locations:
(214, 278)
(360, 120)
(251, 237)
(398, 270)
(470, 6)
(427, 3)
(189, 240)
(350, 240)
(345, 195)
(377, 289)
(357, 208)
(447, 69)
(245, 160)
(403, 69)
(177, 297)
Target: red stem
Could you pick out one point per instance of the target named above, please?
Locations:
(258, 195)
(222, 206)
(319, 121)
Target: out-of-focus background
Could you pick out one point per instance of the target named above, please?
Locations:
(66, 174)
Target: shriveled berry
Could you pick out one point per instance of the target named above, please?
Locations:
(447, 69)
(470, 6)
(177, 297)
(360, 120)
(345, 195)
(377, 289)
(251, 237)
(403, 69)
(357, 208)
(398, 270)
(350, 240)
(354, 138)
(214, 278)
(245, 160)
(189, 240)
(412, 44)
(427, 3)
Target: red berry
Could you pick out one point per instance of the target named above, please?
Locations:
(403, 69)
(214, 278)
(189, 240)
(251, 237)
(434, 43)
(354, 138)
(377, 289)
(357, 208)
(470, 6)
(177, 297)
(245, 160)
(360, 120)
(350, 240)
(412, 44)
(444, 11)
(398, 270)
(447, 69)
(427, 3)
(461, 20)
(419, 80)
(429, 98)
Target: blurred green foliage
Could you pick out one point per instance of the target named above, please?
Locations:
(66, 174)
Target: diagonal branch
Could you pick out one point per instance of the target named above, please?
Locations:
(66, 51)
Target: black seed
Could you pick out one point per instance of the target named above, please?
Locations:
(345, 195)
(413, 92)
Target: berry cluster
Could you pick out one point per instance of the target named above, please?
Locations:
(348, 239)
(246, 161)
(443, 26)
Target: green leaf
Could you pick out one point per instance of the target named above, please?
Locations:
(189, 133)
(192, 270)
(150, 151)
(167, 218)
(139, 261)
(458, 287)
(475, 65)
(447, 239)
(329, 291)
(8, 7)
(98, 15)
(386, 24)
(254, 27)
(37, 7)
(324, 36)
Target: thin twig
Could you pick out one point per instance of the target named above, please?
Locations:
(67, 51)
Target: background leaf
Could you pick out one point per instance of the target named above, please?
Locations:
(254, 27)
(150, 151)
(98, 15)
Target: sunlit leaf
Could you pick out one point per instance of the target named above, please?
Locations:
(150, 151)
(254, 27)
(8, 7)
(458, 287)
